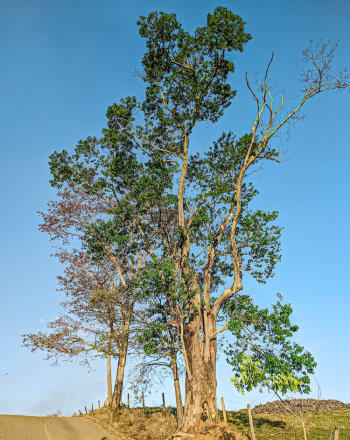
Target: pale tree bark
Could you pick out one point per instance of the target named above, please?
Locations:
(109, 380)
(179, 405)
(119, 380)
(200, 397)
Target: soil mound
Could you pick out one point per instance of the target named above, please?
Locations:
(297, 406)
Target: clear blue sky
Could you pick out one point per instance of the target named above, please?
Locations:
(62, 63)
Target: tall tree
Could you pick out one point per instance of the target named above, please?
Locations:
(217, 237)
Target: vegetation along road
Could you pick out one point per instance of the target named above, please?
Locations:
(50, 428)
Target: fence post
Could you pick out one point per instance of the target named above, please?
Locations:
(336, 433)
(92, 407)
(143, 400)
(128, 401)
(85, 410)
(223, 409)
(99, 406)
(251, 422)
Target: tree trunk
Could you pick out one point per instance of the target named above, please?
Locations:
(179, 406)
(200, 399)
(119, 380)
(109, 380)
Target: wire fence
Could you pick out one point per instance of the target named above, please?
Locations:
(149, 401)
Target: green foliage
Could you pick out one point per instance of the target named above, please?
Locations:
(251, 375)
(158, 278)
(211, 181)
(188, 73)
(260, 243)
(151, 337)
(187, 77)
(263, 353)
(137, 164)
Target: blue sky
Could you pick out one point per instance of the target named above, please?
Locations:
(62, 64)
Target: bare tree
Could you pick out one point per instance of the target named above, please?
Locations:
(98, 317)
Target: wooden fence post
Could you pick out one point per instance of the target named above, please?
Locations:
(163, 397)
(336, 433)
(251, 422)
(143, 400)
(128, 401)
(85, 410)
(223, 409)
(99, 406)
(92, 407)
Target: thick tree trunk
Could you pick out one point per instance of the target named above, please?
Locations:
(109, 381)
(119, 380)
(200, 399)
(179, 405)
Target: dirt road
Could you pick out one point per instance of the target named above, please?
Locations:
(51, 428)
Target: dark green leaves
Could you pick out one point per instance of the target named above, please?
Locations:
(259, 243)
(187, 74)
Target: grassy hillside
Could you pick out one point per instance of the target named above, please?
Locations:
(155, 424)
(319, 425)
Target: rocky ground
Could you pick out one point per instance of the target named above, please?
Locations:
(297, 406)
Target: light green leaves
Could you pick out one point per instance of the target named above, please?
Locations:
(252, 375)
(263, 352)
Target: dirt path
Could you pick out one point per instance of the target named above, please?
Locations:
(51, 428)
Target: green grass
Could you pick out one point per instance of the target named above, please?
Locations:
(156, 424)
(319, 425)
